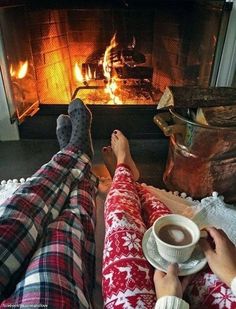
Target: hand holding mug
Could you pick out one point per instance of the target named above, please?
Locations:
(222, 258)
(168, 284)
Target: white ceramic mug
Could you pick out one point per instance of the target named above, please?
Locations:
(176, 253)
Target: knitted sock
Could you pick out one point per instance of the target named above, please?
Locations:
(63, 131)
(81, 119)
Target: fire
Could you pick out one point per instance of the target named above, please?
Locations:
(107, 71)
(107, 64)
(78, 74)
(110, 89)
(88, 75)
(80, 77)
(21, 71)
(12, 71)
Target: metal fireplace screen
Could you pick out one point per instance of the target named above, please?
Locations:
(112, 56)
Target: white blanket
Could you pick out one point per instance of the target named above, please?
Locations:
(210, 211)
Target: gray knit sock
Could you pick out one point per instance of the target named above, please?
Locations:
(81, 119)
(63, 131)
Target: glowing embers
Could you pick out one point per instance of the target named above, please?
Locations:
(117, 76)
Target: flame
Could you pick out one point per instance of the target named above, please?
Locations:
(22, 70)
(88, 75)
(110, 89)
(107, 71)
(106, 60)
(12, 71)
(78, 74)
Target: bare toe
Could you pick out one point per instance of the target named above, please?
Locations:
(109, 159)
(121, 149)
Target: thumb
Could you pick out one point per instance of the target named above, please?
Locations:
(206, 247)
(173, 269)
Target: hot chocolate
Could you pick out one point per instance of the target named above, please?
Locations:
(175, 235)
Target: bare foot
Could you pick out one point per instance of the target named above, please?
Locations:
(109, 159)
(120, 147)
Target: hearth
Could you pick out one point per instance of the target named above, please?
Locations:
(117, 56)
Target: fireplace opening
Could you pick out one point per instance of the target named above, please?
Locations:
(108, 55)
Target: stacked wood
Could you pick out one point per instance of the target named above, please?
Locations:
(220, 116)
(216, 106)
(194, 97)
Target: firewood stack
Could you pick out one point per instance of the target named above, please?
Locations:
(214, 106)
(202, 149)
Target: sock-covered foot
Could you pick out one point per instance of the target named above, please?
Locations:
(120, 147)
(63, 130)
(109, 159)
(81, 119)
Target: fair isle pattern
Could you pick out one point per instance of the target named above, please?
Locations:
(206, 291)
(54, 211)
(127, 276)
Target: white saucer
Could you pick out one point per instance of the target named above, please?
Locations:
(196, 262)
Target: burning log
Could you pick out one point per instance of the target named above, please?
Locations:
(139, 72)
(194, 97)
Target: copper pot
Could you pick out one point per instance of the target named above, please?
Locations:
(201, 158)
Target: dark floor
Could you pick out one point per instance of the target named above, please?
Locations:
(22, 158)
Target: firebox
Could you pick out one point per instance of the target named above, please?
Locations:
(117, 56)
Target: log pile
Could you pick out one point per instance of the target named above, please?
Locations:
(215, 106)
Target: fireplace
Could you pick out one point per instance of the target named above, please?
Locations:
(117, 57)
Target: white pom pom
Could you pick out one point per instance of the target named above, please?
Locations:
(22, 180)
(215, 194)
(189, 199)
(3, 182)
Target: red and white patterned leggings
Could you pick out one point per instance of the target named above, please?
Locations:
(127, 276)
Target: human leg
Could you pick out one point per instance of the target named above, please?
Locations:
(207, 291)
(151, 207)
(34, 205)
(60, 273)
(127, 276)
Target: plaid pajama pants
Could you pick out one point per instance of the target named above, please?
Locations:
(127, 276)
(47, 244)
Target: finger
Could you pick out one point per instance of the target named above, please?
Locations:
(224, 235)
(173, 269)
(206, 247)
(158, 275)
(217, 235)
